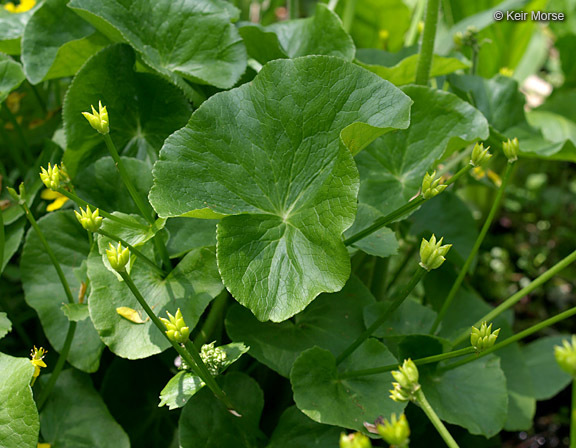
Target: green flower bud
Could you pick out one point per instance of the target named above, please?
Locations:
(407, 381)
(480, 156)
(355, 440)
(50, 177)
(176, 328)
(511, 148)
(18, 196)
(431, 186)
(432, 253)
(483, 338)
(91, 221)
(13, 194)
(566, 356)
(118, 257)
(394, 432)
(98, 120)
(213, 357)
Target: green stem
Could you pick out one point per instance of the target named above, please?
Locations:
(82, 203)
(293, 9)
(385, 220)
(126, 179)
(429, 411)
(464, 270)
(573, 418)
(348, 15)
(135, 251)
(378, 280)
(512, 300)
(58, 367)
(213, 319)
(191, 357)
(2, 240)
(49, 251)
(515, 338)
(418, 362)
(409, 254)
(399, 212)
(418, 275)
(427, 47)
(412, 33)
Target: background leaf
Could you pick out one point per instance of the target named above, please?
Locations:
(11, 76)
(143, 109)
(190, 40)
(75, 415)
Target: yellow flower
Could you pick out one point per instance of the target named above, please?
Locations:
(58, 199)
(44, 445)
(37, 360)
(23, 6)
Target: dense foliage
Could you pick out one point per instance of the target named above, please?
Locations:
(257, 224)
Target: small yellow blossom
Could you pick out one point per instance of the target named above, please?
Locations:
(23, 6)
(37, 360)
(58, 199)
(44, 445)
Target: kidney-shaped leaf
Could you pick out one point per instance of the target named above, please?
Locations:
(393, 166)
(191, 39)
(323, 396)
(18, 415)
(268, 157)
(190, 286)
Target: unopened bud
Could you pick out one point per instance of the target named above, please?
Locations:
(118, 257)
(431, 186)
(432, 253)
(407, 381)
(483, 338)
(566, 356)
(98, 120)
(176, 328)
(355, 440)
(90, 220)
(511, 148)
(395, 432)
(480, 155)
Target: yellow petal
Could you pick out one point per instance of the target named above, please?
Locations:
(44, 445)
(130, 314)
(49, 194)
(58, 203)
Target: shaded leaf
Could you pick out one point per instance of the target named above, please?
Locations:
(381, 243)
(11, 75)
(75, 415)
(332, 322)
(76, 312)
(325, 398)
(5, 325)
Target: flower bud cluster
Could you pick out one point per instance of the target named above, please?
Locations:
(566, 356)
(432, 253)
(395, 432)
(483, 338)
(176, 328)
(118, 257)
(407, 382)
(54, 177)
(432, 186)
(480, 155)
(98, 120)
(511, 148)
(213, 357)
(354, 440)
(90, 220)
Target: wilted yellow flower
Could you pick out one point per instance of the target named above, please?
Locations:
(58, 199)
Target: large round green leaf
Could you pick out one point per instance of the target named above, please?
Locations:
(18, 415)
(325, 398)
(57, 42)
(44, 292)
(190, 286)
(392, 167)
(76, 416)
(191, 39)
(143, 108)
(276, 169)
(332, 322)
